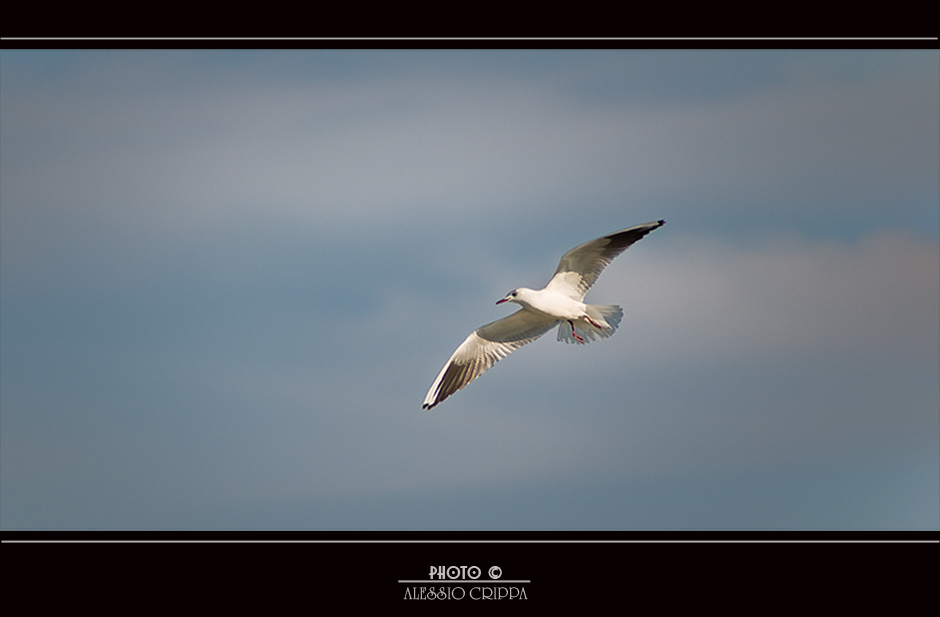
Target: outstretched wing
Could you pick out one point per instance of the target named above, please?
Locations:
(580, 267)
(484, 348)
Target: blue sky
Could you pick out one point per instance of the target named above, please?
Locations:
(227, 279)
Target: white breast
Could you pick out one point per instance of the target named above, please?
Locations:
(550, 302)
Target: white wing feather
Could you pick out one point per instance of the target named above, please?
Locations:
(484, 348)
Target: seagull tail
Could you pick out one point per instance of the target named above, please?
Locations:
(607, 316)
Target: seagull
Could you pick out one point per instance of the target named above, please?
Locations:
(559, 303)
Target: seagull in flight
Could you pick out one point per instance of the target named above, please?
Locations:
(558, 304)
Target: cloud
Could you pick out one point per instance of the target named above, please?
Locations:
(230, 279)
(701, 299)
(375, 151)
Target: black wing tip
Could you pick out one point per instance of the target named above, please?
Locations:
(652, 226)
(643, 228)
(632, 234)
(437, 399)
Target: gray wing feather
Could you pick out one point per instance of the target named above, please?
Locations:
(580, 267)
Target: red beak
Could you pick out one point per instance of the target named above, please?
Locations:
(503, 300)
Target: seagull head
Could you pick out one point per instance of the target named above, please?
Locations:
(512, 296)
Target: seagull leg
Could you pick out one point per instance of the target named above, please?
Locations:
(575, 334)
(593, 323)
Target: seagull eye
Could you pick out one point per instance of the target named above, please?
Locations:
(513, 294)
